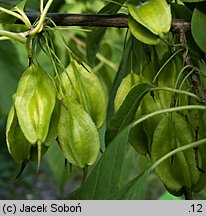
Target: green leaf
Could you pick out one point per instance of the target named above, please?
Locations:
(11, 69)
(55, 6)
(127, 110)
(6, 4)
(56, 161)
(181, 12)
(95, 37)
(105, 178)
(198, 28)
(20, 6)
(8, 19)
(112, 7)
(123, 70)
(134, 190)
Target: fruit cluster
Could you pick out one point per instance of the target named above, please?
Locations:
(39, 116)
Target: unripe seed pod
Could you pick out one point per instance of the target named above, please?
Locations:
(155, 15)
(18, 146)
(77, 134)
(164, 140)
(82, 84)
(179, 172)
(167, 78)
(67, 84)
(151, 103)
(126, 85)
(52, 133)
(34, 103)
(141, 33)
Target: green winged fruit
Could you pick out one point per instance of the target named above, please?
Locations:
(77, 134)
(18, 146)
(149, 21)
(80, 82)
(137, 136)
(126, 85)
(34, 103)
(155, 15)
(151, 103)
(178, 173)
(141, 33)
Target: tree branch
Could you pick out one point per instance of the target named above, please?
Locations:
(98, 20)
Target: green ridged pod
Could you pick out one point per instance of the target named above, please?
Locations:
(151, 103)
(52, 133)
(167, 78)
(34, 103)
(18, 146)
(184, 135)
(80, 82)
(155, 15)
(178, 173)
(137, 136)
(126, 85)
(170, 170)
(77, 134)
(141, 33)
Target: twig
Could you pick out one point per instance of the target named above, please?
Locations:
(98, 20)
(179, 24)
(181, 28)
